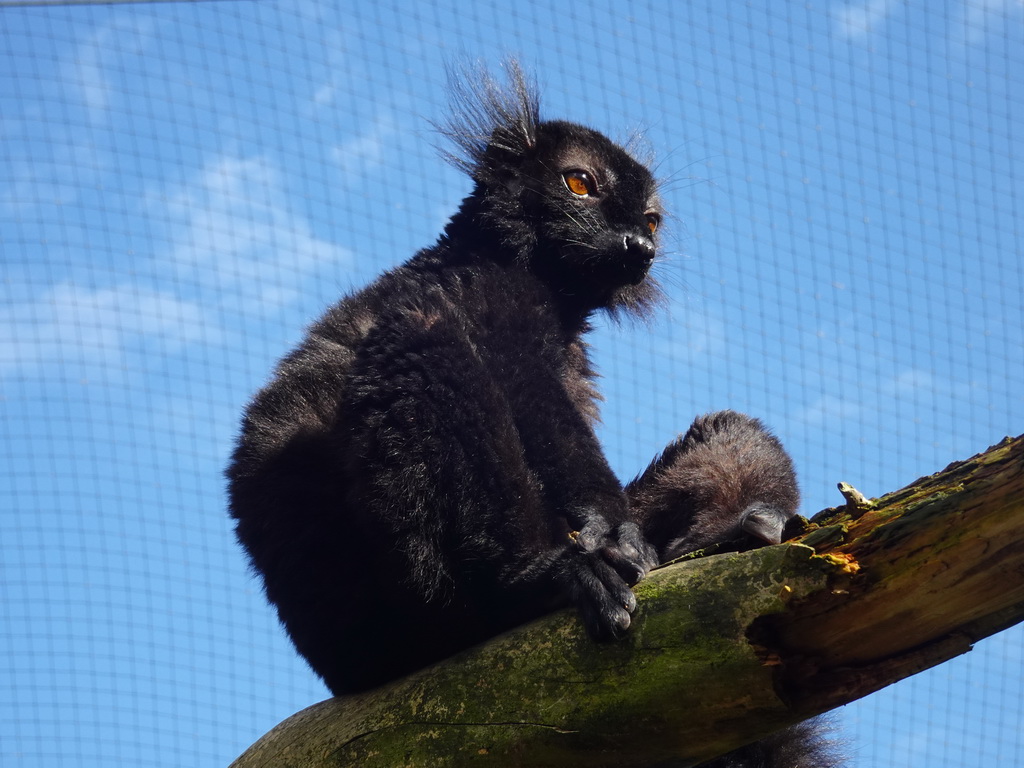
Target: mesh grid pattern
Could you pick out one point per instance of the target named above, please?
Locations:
(184, 186)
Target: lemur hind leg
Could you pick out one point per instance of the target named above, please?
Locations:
(728, 478)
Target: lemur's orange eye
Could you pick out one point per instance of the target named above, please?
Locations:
(580, 183)
(653, 220)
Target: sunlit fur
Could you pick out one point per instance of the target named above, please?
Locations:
(422, 472)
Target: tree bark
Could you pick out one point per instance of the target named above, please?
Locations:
(723, 650)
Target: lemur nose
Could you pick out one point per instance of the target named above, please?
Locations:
(639, 247)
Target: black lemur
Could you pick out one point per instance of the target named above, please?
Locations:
(422, 472)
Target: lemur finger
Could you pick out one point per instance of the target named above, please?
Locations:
(605, 611)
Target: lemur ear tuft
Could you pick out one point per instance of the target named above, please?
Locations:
(490, 122)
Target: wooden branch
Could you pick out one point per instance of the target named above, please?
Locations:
(723, 649)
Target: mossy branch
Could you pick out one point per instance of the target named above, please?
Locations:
(723, 649)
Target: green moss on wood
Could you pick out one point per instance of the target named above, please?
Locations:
(872, 595)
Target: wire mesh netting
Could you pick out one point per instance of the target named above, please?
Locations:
(184, 186)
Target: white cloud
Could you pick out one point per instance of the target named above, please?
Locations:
(908, 382)
(982, 17)
(976, 20)
(93, 328)
(332, 56)
(324, 95)
(705, 331)
(234, 246)
(856, 20)
(911, 385)
(365, 151)
(101, 53)
(829, 409)
(234, 231)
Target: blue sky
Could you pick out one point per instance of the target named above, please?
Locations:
(183, 187)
